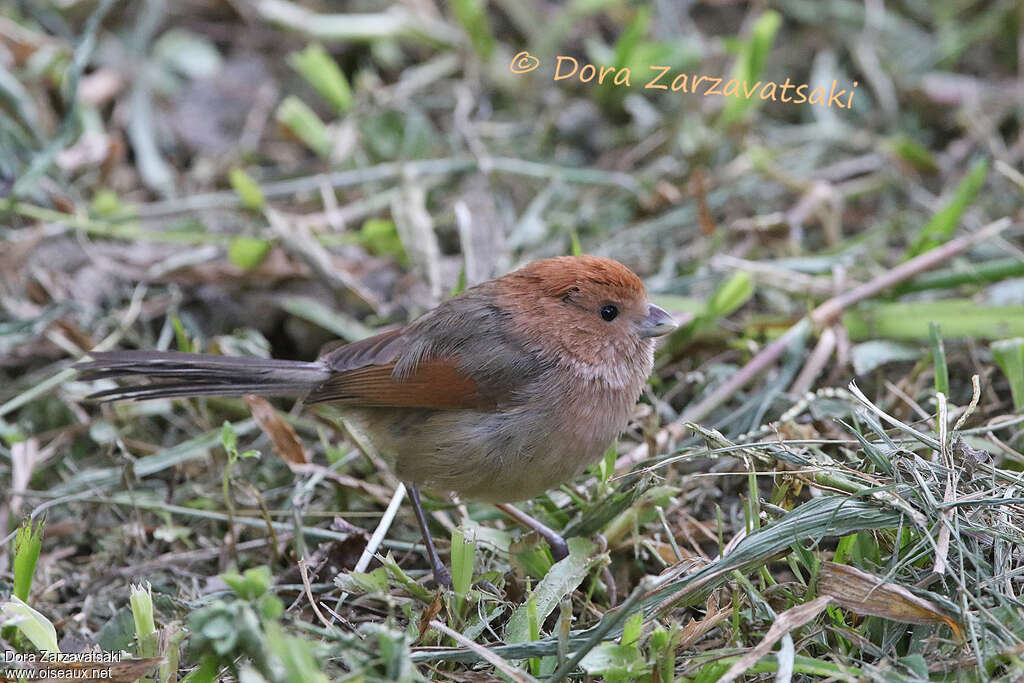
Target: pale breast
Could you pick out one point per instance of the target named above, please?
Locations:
(505, 455)
(520, 450)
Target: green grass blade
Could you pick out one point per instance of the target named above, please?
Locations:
(463, 561)
(248, 190)
(472, 14)
(957, 317)
(27, 544)
(1009, 356)
(561, 580)
(750, 63)
(34, 626)
(141, 601)
(321, 71)
(943, 224)
(304, 124)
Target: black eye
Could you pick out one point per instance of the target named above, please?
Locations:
(609, 312)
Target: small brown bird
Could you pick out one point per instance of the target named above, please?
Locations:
(500, 393)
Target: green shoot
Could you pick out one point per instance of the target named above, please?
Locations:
(304, 124)
(943, 224)
(321, 71)
(146, 635)
(463, 560)
(248, 190)
(27, 544)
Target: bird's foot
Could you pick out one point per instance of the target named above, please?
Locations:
(443, 577)
(559, 548)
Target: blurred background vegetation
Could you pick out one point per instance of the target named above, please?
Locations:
(265, 176)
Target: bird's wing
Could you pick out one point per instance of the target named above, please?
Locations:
(429, 364)
(381, 349)
(434, 384)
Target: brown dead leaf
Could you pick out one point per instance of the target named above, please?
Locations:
(793, 618)
(334, 556)
(77, 336)
(864, 593)
(431, 611)
(281, 434)
(700, 192)
(695, 630)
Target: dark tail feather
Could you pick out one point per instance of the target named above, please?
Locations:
(197, 374)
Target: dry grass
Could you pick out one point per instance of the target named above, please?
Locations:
(201, 176)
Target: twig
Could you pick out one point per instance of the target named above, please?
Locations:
(492, 658)
(311, 183)
(668, 533)
(925, 439)
(377, 538)
(815, 363)
(304, 572)
(1010, 173)
(775, 276)
(345, 480)
(833, 308)
(942, 542)
(903, 396)
(319, 259)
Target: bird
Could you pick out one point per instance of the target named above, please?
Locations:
(504, 391)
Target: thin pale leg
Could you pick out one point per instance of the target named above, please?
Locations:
(441, 573)
(559, 548)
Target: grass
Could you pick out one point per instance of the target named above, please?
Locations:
(823, 479)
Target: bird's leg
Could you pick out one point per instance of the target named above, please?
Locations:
(441, 573)
(559, 548)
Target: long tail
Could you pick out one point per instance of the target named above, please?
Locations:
(198, 374)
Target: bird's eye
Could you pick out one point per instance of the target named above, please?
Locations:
(609, 312)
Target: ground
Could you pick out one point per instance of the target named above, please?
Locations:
(821, 480)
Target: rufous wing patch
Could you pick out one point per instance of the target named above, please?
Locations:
(434, 384)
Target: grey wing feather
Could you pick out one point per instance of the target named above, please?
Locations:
(469, 329)
(381, 349)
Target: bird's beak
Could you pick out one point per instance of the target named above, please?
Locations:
(657, 322)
